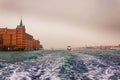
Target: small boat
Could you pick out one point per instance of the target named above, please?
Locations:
(69, 48)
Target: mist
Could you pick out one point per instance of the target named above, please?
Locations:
(59, 23)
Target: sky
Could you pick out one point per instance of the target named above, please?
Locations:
(59, 23)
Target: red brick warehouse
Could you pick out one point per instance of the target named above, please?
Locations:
(17, 39)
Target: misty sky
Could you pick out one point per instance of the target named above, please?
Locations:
(59, 23)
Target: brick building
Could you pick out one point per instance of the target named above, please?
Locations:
(17, 39)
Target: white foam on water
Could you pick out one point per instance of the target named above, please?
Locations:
(19, 75)
(95, 71)
(108, 72)
(52, 70)
(50, 64)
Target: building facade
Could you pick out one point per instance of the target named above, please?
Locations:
(17, 39)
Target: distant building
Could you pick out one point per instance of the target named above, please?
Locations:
(17, 39)
(108, 47)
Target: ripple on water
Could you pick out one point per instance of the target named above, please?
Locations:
(59, 65)
(43, 68)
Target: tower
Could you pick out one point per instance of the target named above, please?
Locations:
(20, 36)
(21, 24)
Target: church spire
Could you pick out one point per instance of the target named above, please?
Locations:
(21, 24)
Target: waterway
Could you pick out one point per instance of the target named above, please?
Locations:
(60, 65)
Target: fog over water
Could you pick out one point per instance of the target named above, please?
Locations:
(58, 23)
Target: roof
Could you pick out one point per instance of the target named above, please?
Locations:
(21, 24)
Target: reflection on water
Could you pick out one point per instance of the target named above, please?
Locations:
(60, 65)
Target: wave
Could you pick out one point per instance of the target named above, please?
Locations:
(60, 65)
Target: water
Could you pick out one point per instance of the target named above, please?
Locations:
(60, 65)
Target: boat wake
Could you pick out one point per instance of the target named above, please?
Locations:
(60, 65)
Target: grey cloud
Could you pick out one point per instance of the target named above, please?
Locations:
(100, 14)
